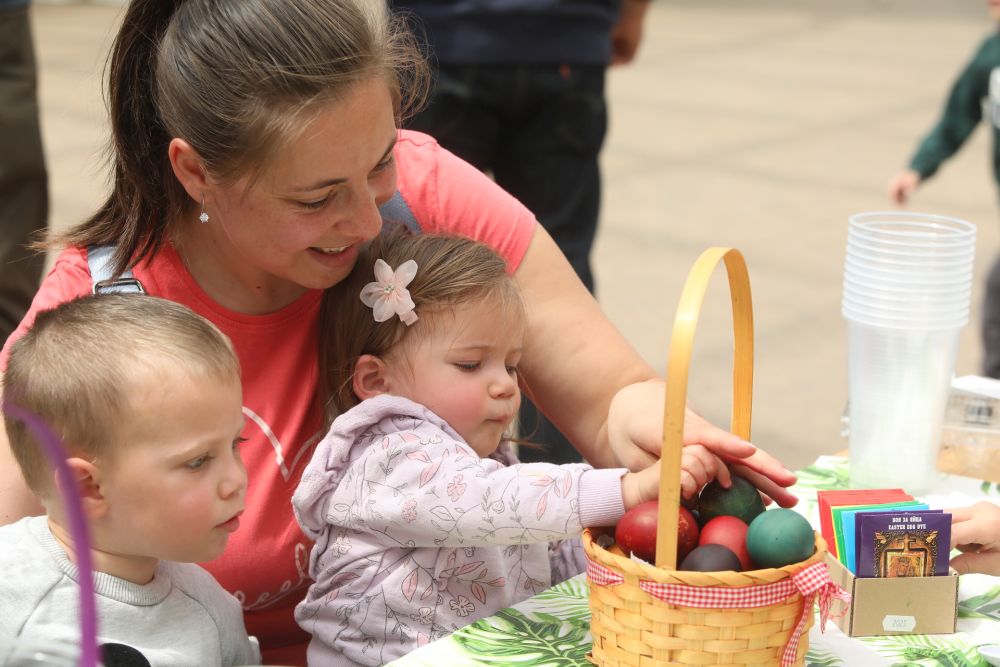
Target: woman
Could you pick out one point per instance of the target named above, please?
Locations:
(253, 143)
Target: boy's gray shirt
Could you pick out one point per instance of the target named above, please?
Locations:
(181, 618)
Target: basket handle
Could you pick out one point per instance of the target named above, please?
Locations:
(678, 362)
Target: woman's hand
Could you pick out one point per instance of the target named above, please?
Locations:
(975, 531)
(635, 432)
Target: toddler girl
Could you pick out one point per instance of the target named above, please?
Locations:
(424, 520)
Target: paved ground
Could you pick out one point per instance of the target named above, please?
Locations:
(758, 124)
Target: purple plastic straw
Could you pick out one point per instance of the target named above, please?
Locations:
(54, 450)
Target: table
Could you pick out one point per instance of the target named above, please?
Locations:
(553, 628)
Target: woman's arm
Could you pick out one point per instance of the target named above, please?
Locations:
(575, 360)
(594, 386)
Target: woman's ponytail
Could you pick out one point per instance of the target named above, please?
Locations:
(136, 211)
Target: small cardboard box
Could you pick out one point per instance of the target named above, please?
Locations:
(904, 606)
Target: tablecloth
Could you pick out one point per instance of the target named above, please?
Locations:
(553, 627)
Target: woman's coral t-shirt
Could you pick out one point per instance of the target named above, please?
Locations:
(265, 564)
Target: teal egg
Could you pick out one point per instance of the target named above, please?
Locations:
(779, 537)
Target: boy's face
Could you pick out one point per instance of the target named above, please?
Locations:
(464, 369)
(994, 6)
(176, 484)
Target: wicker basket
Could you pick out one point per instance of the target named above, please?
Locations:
(645, 616)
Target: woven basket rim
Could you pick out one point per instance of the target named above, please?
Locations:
(729, 578)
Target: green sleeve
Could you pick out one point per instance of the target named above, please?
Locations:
(962, 113)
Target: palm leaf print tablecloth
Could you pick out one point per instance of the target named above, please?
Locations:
(553, 627)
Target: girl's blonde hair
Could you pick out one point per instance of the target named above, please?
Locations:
(451, 271)
(236, 79)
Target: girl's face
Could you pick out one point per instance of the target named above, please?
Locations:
(462, 365)
(300, 224)
(176, 486)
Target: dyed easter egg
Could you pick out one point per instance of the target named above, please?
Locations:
(731, 533)
(710, 558)
(779, 537)
(740, 500)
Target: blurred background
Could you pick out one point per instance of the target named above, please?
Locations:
(756, 124)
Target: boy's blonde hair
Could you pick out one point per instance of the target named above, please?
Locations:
(78, 364)
(451, 270)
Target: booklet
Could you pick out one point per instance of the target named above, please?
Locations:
(903, 544)
(848, 522)
(838, 520)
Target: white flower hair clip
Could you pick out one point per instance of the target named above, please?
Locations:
(388, 296)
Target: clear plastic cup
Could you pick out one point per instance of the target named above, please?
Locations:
(862, 281)
(915, 314)
(908, 254)
(914, 234)
(881, 319)
(895, 241)
(899, 381)
(918, 322)
(875, 271)
(925, 245)
(901, 262)
(915, 299)
(914, 228)
(937, 303)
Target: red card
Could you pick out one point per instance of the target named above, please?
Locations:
(829, 499)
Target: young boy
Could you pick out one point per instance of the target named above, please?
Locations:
(974, 94)
(146, 397)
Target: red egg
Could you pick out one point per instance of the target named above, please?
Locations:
(687, 533)
(636, 532)
(731, 533)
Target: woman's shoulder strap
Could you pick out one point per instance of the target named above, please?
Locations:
(397, 212)
(100, 262)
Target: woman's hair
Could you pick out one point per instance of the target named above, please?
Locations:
(80, 363)
(451, 271)
(236, 79)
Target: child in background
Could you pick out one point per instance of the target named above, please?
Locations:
(424, 520)
(146, 398)
(975, 93)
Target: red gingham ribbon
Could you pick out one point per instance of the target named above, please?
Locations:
(811, 582)
(601, 575)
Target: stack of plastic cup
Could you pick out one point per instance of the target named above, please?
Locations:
(907, 287)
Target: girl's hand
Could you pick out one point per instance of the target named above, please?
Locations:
(635, 434)
(638, 487)
(699, 466)
(975, 531)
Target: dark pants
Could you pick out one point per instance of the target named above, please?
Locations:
(991, 323)
(24, 206)
(538, 129)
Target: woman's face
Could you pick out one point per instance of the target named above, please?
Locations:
(301, 223)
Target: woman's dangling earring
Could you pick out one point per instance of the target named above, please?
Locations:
(203, 218)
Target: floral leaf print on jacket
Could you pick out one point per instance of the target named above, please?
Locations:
(433, 536)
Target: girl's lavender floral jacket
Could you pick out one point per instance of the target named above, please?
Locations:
(416, 535)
